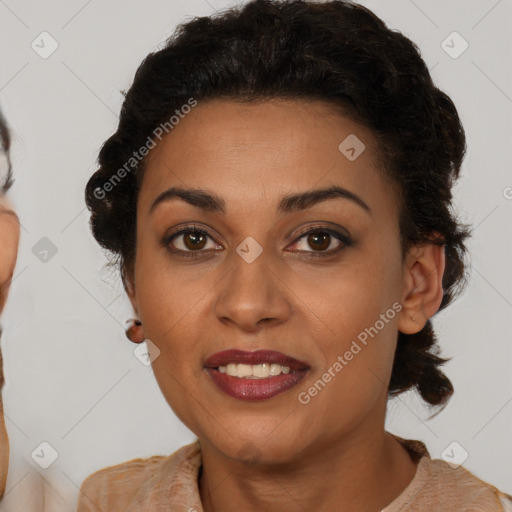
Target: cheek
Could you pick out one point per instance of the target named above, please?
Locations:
(355, 313)
(165, 295)
(169, 310)
(169, 322)
(9, 233)
(170, 306)
(348, 298)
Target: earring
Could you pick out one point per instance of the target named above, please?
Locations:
(135, 331)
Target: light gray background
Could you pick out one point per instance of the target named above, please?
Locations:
(72, 378)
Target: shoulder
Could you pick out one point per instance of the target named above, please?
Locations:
(440, 486)
(124, 486)
(467, 488)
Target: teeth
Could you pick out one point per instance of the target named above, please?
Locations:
(253, 371)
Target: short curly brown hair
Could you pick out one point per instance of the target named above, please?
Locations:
(338, 52)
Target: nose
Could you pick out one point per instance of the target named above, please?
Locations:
(252, 295)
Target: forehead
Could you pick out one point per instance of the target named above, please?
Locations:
(255, 151)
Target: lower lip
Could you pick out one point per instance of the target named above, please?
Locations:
(255, 389)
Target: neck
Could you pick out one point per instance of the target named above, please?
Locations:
(365, 471)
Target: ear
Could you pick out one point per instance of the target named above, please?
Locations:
(129, 287)
(422, 290)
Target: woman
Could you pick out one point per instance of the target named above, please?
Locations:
(278, 197)
(31, 493)
(10, 233)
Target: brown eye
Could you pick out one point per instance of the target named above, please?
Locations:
(319, 240)
(322, 242)
(194, 240)
(190, 242)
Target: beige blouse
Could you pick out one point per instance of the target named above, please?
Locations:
(170, 484)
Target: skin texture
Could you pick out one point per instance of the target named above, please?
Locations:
(10, 233)
(333, 453)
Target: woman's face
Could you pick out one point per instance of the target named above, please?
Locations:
(9, 233)
(309, 297)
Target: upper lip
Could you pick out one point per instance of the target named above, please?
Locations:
(255, 357)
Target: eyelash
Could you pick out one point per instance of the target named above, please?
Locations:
(344, 239)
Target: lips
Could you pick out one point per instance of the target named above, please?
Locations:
(255, 389)
(257, 357)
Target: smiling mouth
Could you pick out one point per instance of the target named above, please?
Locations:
(254, 371)
(255, 376)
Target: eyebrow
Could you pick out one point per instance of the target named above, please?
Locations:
(212, 203)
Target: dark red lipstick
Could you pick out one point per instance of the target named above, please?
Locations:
(251, 387)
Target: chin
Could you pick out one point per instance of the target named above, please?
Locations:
(257, 446)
